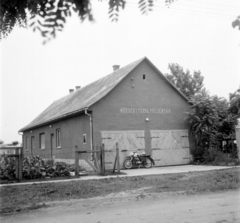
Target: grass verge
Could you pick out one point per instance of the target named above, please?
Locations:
(28, 197)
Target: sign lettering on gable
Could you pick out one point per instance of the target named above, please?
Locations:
(145, 110)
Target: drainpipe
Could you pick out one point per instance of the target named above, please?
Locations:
(91, 131)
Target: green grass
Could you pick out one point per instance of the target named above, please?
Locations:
(27, 197)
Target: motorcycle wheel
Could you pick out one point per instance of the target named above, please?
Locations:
(148, 163)
(127, 164)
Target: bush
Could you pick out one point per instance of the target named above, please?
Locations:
(34, 167)
(7, 167)
(198, 153)
(210, 155)
(234, 153)
(216, 157)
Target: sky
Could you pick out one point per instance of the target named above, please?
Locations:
(196, 34)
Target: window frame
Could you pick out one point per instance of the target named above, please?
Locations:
(58, 139)
(40, 141)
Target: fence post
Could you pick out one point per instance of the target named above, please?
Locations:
(76, 162)
(17, 163)
(115, 162)
(20, 163)
(101, 164)
(118, 161)
(237, 132)
(102, 154)
(96, 159)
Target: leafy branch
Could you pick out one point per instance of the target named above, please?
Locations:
(236, 23)
(46, 16)
(145, 6)
(49, 16)
(114, 8)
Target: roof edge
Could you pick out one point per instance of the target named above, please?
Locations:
(52, 120)
(172, 85)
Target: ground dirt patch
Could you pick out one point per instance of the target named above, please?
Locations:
(25, 197)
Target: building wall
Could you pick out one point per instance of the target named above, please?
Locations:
(165, 111)
(115, 111)
(72, 130)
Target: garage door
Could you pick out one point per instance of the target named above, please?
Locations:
(127, 141)
(170, 147)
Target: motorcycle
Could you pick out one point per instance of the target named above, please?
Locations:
(134, 159)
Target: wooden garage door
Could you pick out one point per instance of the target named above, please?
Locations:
(170, 147)
(128, 141)
(134, 141)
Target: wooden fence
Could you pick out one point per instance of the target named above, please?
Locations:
(18, 155)
(98, 162)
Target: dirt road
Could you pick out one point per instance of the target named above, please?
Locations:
(139, 206)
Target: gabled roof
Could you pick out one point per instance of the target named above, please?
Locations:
(83, 98)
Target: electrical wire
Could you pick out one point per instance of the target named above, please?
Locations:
(206, 7)
(230, 6)
(168, 8)
(162, 8)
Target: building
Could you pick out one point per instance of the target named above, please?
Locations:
(135, 106)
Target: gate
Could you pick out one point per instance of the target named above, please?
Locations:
(170, 147)
(109, 139)
(128, 141)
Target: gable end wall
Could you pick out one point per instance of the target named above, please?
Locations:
(135, 92)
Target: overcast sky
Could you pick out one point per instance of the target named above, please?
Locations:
(196, 34)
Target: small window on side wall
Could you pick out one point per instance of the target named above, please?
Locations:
(42, 141)
(58, 138)
(144, 76)
(26, 143)
(32, 144)
(84, 138)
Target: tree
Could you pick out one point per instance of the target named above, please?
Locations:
(235, 102)
(227, 120)
(49, 16)
(210, 120)
(203, 118)
(1, 142)
(188, 84)
(15, 143)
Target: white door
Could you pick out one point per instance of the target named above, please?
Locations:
(170, 147)
(128, 141)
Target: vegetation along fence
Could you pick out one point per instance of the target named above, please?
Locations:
(94, 158)
(17, 153)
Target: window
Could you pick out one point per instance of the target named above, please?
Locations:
(52, 141)
(144, 76)
(32, 144)
(42, 141)
(58, 138)
(26, 143)
(84, 138)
